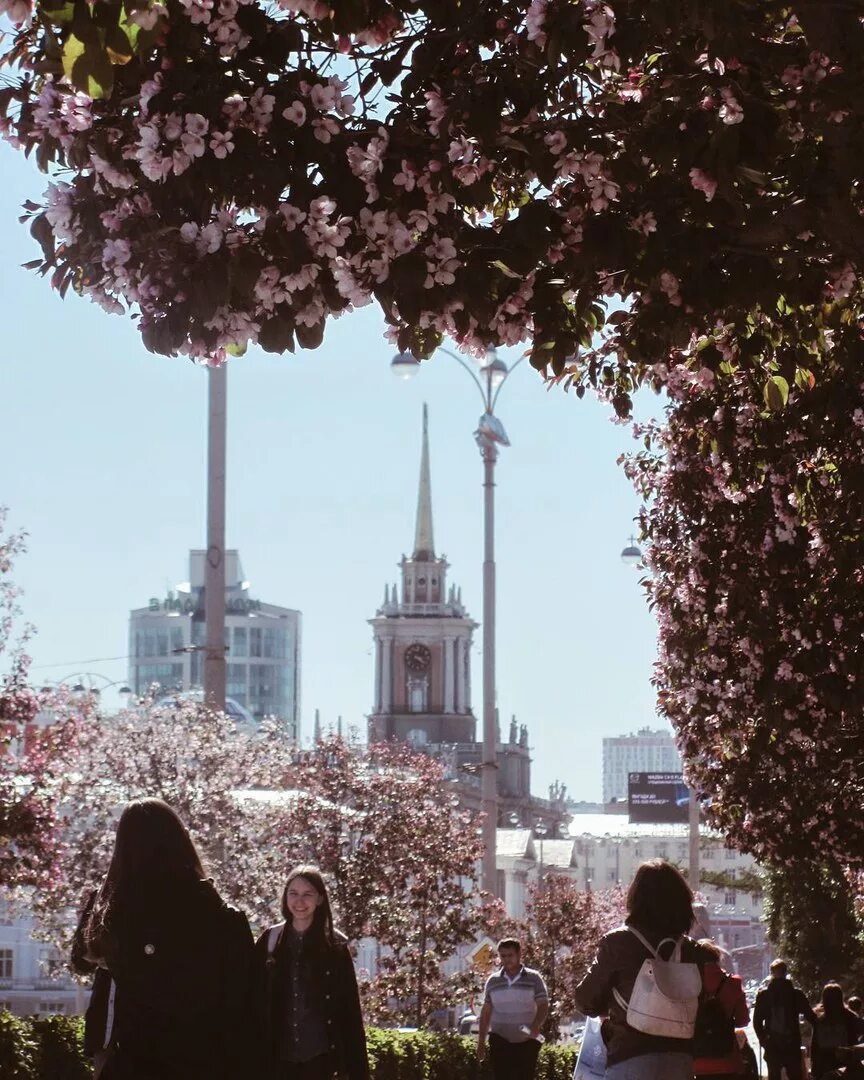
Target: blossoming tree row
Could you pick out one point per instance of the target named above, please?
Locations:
(235, 173)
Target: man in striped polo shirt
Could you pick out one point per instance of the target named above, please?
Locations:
(515, 1006)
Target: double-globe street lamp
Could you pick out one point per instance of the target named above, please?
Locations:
(490, 434)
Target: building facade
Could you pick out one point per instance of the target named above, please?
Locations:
(643, 751)
(604, 851)
(262, 640)
(33, 977)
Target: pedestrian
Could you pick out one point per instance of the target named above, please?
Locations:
(722, 1009)
(855, 1004)
(836, 1025)
(776, 1023)
(515, 1007)
(172, 961)
(308, 1005)
(659, 908)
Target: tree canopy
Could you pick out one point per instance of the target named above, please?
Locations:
(756, 553)
(494, 171)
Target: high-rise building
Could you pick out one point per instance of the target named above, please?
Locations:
(643, 751)
(262, 640)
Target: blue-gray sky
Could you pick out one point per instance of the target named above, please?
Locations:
(104, 466)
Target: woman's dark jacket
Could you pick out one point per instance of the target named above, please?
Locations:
(829, 1033)
(181, 962)
(619, 958)
(332, 988)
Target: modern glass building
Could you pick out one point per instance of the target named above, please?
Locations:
(166, 645)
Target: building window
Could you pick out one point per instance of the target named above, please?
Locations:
(730, 898)
(255, 644)
(52, 1008)
(7, 963)
(731, 854)
(611, 876)
(418, 693)
(417, 737)
(235, 686)
(240, 646)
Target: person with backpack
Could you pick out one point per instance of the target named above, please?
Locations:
(776, 1023)
(646, 980)
(836, 1026)
(308, 1005)
(722, 1009)
(172, 961)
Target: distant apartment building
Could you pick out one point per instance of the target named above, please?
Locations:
(166, 645)
(643, 751)
(33, 978)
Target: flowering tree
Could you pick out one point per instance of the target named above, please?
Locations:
(187, 755)
(756, 550)
(27, 808)
(403, 859)
(491, 171)
(379, 822)
(561, 930)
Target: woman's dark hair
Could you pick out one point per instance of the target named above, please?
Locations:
(660, 900)
(321, 930)
(831, 1006)
(153, 855)
(711, 947)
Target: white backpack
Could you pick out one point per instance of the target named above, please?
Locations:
(665, 996)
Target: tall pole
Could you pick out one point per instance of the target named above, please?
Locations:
(214, 581)
(489, 767)
(693, 872)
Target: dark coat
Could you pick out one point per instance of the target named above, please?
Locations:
(335, 995)
(775, 1017)
(619, 958)
(181, 967)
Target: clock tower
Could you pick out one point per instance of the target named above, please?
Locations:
(423, 644)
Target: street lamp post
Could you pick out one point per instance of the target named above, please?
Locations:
(490, 434)
(214, 579)
(80, 687)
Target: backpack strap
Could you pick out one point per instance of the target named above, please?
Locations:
(273, 936)
(109, 1015)
(654, 952)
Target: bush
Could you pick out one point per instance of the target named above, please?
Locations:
(51, 1049)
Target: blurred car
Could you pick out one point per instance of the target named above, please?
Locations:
(469, 1024)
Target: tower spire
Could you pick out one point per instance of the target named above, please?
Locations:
(424, 544)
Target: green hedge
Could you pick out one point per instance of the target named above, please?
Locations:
(50, 1049)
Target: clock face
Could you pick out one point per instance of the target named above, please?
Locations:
(417, 658)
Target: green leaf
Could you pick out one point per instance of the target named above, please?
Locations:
(804, 379)
(118, 46)
(73, 50)
(59, 15)
(505, 269)
(776, 393)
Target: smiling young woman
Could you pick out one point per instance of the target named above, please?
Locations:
(308, 1004)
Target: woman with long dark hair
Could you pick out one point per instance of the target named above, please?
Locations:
(836, 1026)
(308, 1004)
(172, 961)
(659, 908)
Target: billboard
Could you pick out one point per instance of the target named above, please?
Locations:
(657, 798)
